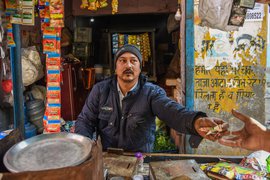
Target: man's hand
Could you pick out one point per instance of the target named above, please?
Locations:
(251, 136)
(211, 128)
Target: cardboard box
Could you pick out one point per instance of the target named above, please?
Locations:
(83, 34)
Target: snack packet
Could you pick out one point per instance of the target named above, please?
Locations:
(51, 126)
(228, 170)
(53, 78)
(53, 61)
(256, 160)
(214, 130)
(53, 111)
(53, 95)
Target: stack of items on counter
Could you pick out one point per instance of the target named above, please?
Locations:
(142, 41)
(52, 13)
(94, 5)
(254, 166)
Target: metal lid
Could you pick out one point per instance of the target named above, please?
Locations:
(48, 151)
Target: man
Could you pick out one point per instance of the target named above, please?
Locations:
(253, 136)
(122, 109)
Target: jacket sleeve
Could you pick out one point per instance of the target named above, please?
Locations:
(87, 120)
(172, 113)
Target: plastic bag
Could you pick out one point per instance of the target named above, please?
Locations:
(256, 160)
(32, 69)
(216, 15)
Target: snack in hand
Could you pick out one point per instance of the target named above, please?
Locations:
(214, 130)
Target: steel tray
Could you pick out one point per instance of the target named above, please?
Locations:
(48, 151)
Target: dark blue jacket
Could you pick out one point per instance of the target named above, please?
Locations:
(132, 127)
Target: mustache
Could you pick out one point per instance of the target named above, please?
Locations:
(128, 71)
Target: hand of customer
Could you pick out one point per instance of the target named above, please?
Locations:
(211, 128)
(252, 136)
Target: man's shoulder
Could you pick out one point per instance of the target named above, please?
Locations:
(152, 88)
(151, 85)
(104, 84)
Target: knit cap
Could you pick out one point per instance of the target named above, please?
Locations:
(128, 48)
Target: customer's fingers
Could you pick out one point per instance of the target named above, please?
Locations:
(240, 116)
(233, 142)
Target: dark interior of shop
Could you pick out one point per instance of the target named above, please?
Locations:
(97, 52)
(164, 42)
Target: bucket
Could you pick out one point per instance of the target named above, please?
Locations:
(30, 130)
(38, 122)
(35, 110)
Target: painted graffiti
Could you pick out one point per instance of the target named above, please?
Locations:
(225, 69)
(249, 47)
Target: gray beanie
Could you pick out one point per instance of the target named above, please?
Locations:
(128, 48)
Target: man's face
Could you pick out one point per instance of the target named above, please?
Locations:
(127, 68)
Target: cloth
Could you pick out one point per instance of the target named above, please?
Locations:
(131, 128)
(216, 15)
(128, 48)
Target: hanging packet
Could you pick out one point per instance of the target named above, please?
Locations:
(53, 111)
(28, 17)
(49, 45)
(53, 78)
(53, 61)
(11, 42)
(51, 126)
(29, 3)
(11, 5)
(53, 95)
(56, 9)
(41, 2)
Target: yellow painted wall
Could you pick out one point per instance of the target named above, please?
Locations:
(229, 73)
